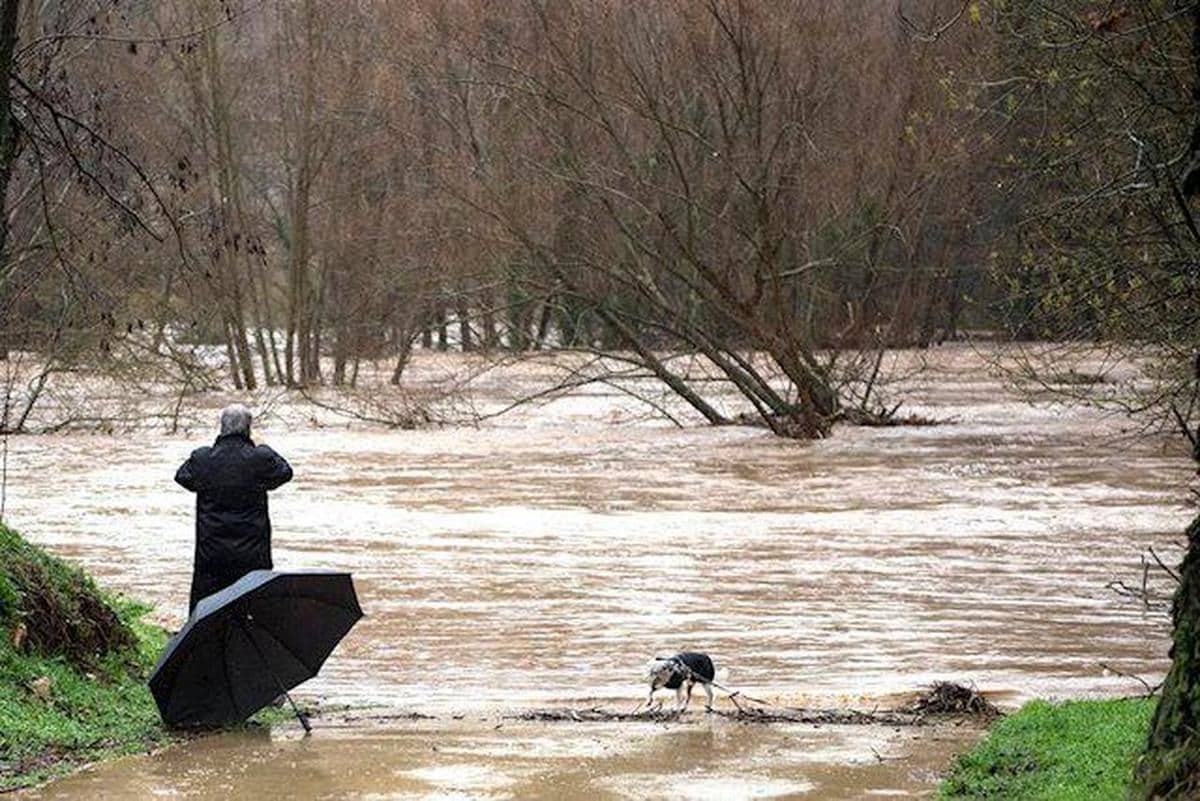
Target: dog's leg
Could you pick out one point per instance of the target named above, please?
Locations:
(687, 698)
(679, 698)
(708, 691)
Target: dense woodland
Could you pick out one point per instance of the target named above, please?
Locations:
(276, 192)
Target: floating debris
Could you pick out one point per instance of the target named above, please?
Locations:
(947, 699)
(742, 713)
(385, 717)
(943, 700)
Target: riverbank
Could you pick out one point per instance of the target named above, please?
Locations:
(73, 664)
(1072, 751)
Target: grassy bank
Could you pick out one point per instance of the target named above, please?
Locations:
(73, 664)
(1074, 751)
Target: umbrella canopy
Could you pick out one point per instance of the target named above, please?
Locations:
(252, 641)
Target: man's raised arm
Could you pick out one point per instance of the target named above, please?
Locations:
(187, 476)
(275, 471)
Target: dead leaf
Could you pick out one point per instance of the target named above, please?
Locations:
(42, 687)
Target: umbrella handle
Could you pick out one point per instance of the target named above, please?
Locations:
(303, 718)
(300, 716)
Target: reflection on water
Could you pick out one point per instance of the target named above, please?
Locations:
(547, 555)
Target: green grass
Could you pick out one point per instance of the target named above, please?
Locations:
(95, 651)
(1074, 751)
(88, 715)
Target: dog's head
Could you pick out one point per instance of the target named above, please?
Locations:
(660, 672)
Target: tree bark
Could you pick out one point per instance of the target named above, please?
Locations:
(443, 340)
(1170, 766)
(1190, 180)
(9, 134)
(491, 339)
(676, 384)
(404, 348)
(463, 313)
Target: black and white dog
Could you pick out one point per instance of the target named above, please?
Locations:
(681, 673)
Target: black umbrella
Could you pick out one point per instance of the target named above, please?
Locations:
(251, 642)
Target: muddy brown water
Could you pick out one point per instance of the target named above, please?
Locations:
(702, 760)
(542, 558)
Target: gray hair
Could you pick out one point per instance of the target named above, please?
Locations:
(235, 419)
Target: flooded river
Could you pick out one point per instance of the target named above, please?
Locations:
(543, 557)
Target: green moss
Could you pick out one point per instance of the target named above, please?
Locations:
(1074, 751)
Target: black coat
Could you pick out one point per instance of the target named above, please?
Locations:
(233, 528)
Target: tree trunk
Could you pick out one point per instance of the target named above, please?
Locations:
(339, 364)
(463, 313)
(491, 339)
(231, 354)
(652, 362)
(8, 152)
(404, 347)
(260, 341)
(543, 326)
(443, 342)
(1190, 178)
(298, 349)
(241, 342)
(1170, 766)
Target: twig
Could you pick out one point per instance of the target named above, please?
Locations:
(406, 418)
(1149, 690)
(3, 474)
(1183, 426)
(935, 34)
(871, 381)
(63, 36)
(1168, 570)
(881, 758)
(1143, 595)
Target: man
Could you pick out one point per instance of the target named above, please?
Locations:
(231, 480)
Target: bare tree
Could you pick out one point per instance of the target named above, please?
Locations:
(679, 177)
